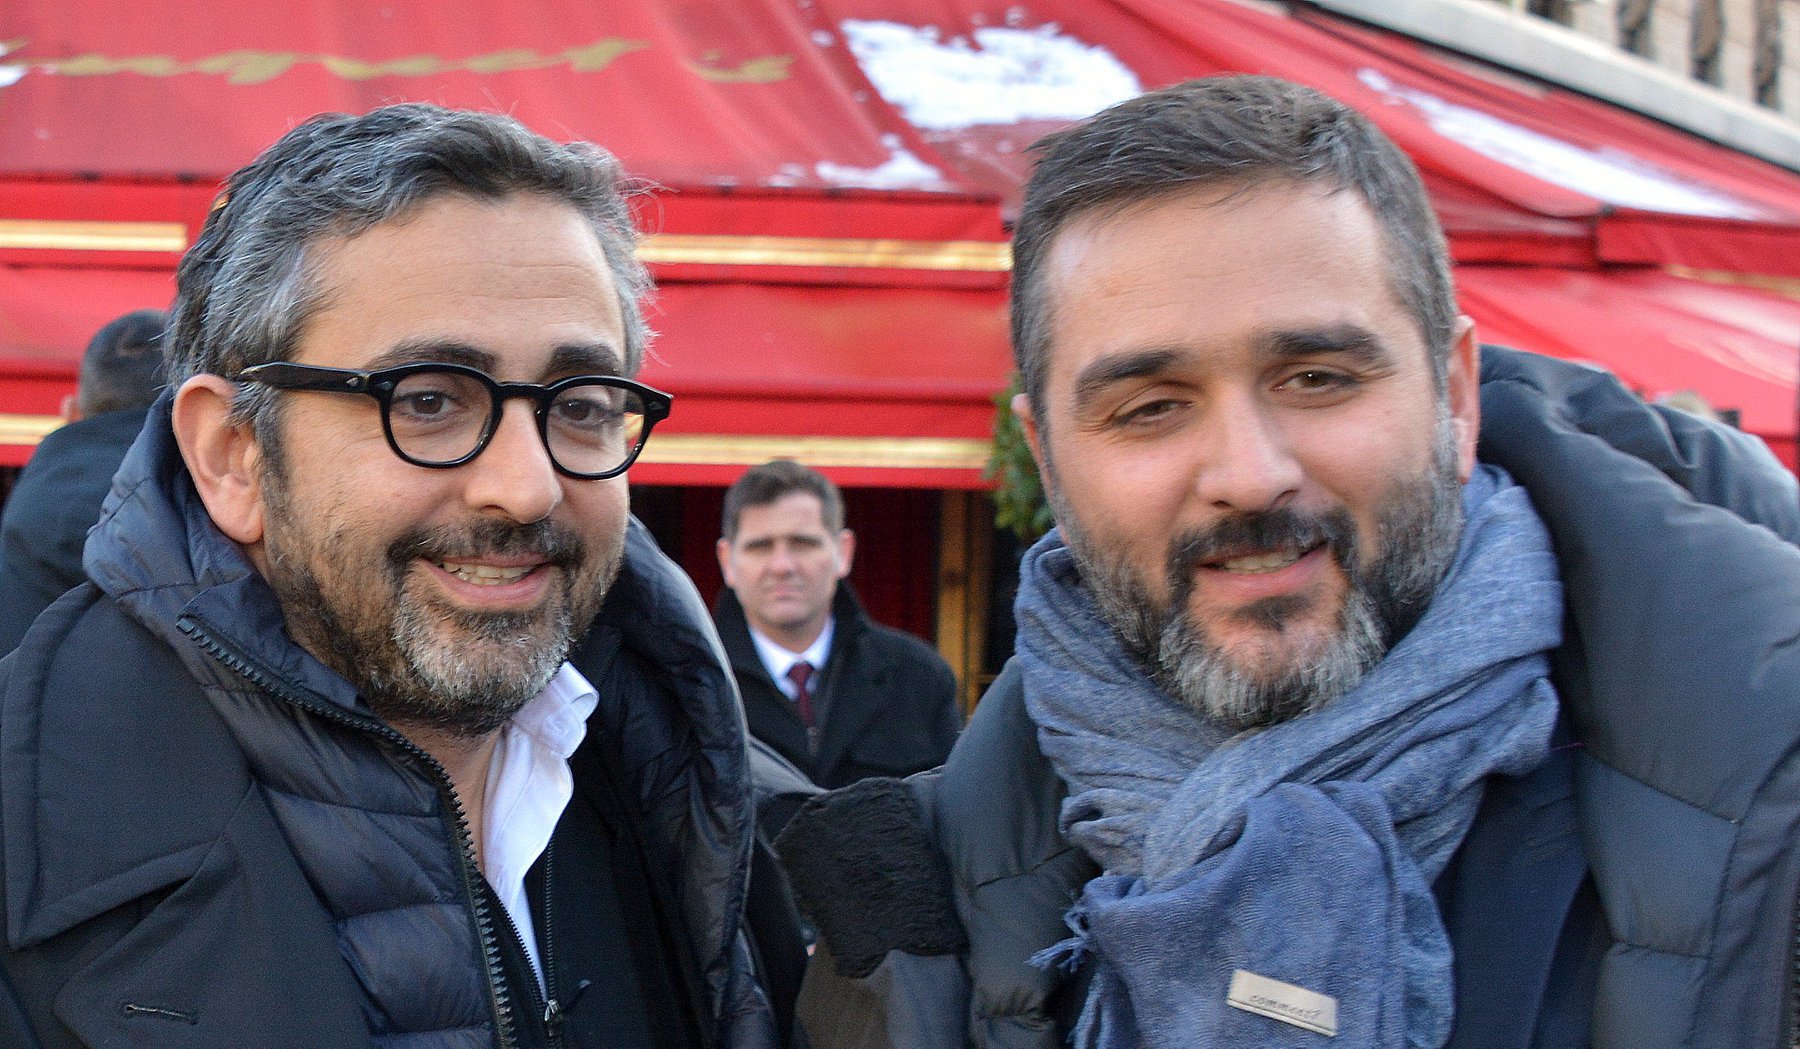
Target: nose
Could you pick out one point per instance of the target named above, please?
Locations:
(1248, 461)
(781, 558)
(514, 474)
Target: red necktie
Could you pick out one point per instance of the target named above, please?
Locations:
(800, 674)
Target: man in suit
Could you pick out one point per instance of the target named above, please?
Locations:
(60, 491)
(840, 696)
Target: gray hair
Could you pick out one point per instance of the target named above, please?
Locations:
(1226, 131)
(246, 289)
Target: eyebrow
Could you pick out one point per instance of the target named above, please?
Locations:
(1092, 380)
(587, 359)
(570, 359)
(1355, 342)
(435, 351)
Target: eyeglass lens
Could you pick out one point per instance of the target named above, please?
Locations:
(441, 417)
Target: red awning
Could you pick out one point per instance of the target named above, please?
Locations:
(1737, 347)
(831, 179)
(1522, 171)
(907, 399)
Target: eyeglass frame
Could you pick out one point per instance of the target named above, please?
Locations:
(380, 384)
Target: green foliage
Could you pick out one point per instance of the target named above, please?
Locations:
(1019, 502)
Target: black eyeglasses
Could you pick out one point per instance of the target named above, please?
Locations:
(443, 415)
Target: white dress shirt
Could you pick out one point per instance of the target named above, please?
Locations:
(528, 786)
(777, 660)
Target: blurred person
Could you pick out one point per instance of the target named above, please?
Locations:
(1375, 689)
(838, 695)
(58, 495)
(1690, 401)
(380, 722)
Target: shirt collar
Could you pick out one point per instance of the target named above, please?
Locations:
(776, 659)
(556, 718)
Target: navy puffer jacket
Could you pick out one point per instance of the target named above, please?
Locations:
(208, 839)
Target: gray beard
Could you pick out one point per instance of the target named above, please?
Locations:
(1417, 538)
(464, 674)
(441, 686)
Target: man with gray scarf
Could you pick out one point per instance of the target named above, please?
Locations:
(1359, 694)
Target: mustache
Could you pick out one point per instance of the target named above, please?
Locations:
(1262, 530)
(553, 543)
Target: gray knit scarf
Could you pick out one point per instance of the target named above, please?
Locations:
(1303, 853)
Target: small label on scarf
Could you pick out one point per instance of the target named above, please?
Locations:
(1283, 1001)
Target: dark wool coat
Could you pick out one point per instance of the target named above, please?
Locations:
(887, 699)
(49, 511)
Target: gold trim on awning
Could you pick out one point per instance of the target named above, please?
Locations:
(1787, 286)
(982, 256)
(977, 256)
(900, 453)
(92, 236)
(26, 429)
(712, 449)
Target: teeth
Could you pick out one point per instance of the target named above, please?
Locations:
(1260, 562)
(484, 575)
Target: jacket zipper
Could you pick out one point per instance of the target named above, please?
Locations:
(538, 1000)
(555, 1011)
(498, 998)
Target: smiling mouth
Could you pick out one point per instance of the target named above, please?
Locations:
(1260, 563)
(485, 575)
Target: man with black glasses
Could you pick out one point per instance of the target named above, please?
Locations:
(381, 722)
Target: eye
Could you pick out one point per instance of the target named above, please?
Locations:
(434, 397)
(1147, 412)
(587, 409)
(423, 404)
(1317, 380)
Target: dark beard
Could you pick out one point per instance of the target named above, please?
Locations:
(457, 672)
(1417, 540)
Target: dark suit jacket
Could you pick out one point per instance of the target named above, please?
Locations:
(49, 513)
(886, 699)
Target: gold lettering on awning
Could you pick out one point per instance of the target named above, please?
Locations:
(257, 67)
(765, 70)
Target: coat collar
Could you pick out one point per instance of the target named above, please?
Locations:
(851, 622)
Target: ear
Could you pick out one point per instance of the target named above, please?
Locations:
(71, 408)
(1464, 388)
(723, 547)
(222, 457)
(1021, 409)
(846, 550)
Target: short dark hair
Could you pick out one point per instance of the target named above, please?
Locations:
(123, 365)
(1226, 131)
(774, 480)
(246, 288)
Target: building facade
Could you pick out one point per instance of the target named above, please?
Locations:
(1747, 49)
